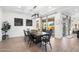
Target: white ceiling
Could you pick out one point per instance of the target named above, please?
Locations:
(43, 10)
(29, 9)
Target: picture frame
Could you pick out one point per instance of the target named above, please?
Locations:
(18, 22)
(29, 22)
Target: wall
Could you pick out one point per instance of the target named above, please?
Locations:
(0, 24)
(58, 26)
(16, 31)
(75, 20)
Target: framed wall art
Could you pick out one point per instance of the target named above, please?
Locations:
(18, 22)
(28, 22)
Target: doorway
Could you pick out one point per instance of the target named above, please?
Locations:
(66, 25)
(48, 24)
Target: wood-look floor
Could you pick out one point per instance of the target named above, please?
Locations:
(66, 44)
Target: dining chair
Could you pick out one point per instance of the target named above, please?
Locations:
(46, 39)
(25, 35)
(33, 39)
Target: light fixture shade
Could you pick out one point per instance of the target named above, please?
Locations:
(34, 7)
(36, 15)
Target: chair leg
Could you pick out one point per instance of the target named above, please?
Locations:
(40, 44)
(45, 47)
(50, 45)
(29, 44)
(25, 39)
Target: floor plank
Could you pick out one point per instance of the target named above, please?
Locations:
(66, 44)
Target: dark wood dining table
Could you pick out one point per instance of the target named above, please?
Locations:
(38, 35)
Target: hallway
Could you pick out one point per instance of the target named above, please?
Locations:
(58, 45)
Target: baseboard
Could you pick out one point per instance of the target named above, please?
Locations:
(16, 37)
(58, 37)
(12, 37)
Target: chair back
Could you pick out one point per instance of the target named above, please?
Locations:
(25, 33)
(46, 37)
(50, 34)
(30, 36)
(33, 38)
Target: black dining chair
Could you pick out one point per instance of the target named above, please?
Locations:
(29, 38)
(46, 40)
(25, 35)
(33, 39)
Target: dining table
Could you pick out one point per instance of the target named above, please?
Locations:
(38, 35)
(41, 37)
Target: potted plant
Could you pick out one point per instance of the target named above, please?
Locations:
(5, 27)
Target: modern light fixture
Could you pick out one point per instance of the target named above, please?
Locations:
(35, 15)
(34, 7)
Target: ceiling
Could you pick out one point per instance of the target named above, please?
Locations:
(43, 10)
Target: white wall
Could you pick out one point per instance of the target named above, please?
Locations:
(0, 24)
(16, 31)
(58, 26)
(75, 20)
